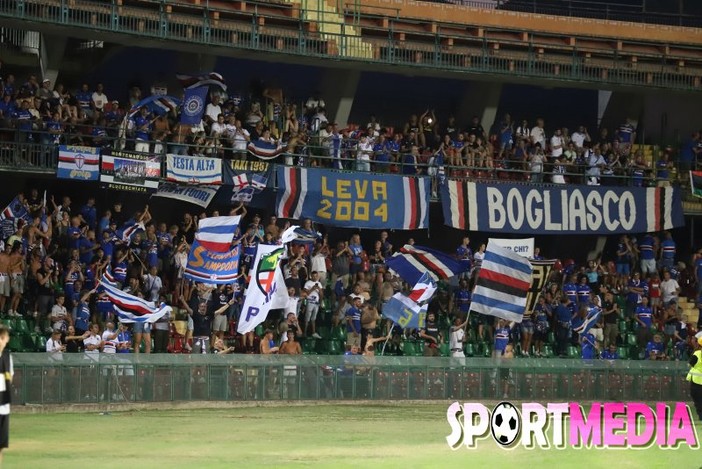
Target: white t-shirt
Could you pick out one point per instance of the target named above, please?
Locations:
(556, 146)
(318, 263)
(58, 316)
(99, 100)
(292, 306)
(110, 344)
(212, 111)
(669, 289)
(578, 139)
(218, 129)
(92, 340)
(312, 295)
(364, 150)
(53, 346)
(538, 135)
(456, 339)
(240, 139)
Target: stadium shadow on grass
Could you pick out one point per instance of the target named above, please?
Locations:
(327, 435)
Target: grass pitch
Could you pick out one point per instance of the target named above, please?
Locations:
(316, 435)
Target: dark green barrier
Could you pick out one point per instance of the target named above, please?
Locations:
(70, 379)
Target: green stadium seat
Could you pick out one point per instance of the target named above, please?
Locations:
(444, 349)
(7, 322)
(325, 332)
(573, 352)
(339, 333)
(469, 349)
(40, 343)
(259, 330)
(334, 347)
(623, 353)
(409, 348)
(21, 325)
(631, 339)
(487, 351)
(15, 343)
(623, 327)
(28, 342)
(548, 351)
(551, 338)
(308, 345)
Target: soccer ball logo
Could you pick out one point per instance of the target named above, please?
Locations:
(505, 423)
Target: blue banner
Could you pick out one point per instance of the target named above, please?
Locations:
(212, 267)
(247, 181)
(357, 200)
(193, 105)
(539, 209)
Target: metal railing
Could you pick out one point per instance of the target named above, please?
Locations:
(35, 152)
(21, 40)
(605, 10)
(288, 32)
(113, 378)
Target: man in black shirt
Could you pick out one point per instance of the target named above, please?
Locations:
(201, 309)
(430, 334)
(610, 312)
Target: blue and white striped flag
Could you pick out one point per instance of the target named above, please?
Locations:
(502, 285)
(127, 232)
(582, 326)
(130, 308)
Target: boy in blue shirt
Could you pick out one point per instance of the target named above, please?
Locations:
(610, 353)
(644, 319)
(655, 349)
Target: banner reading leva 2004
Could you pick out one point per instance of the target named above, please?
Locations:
(528, 209)
(355, 200)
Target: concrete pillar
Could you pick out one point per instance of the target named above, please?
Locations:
(52, 52)
(480, 99)
(619, 107)
(338, 88)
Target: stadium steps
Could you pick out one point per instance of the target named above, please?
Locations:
(333, 26)
(690, 311)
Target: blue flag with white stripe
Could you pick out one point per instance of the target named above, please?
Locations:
(404, 312)
(413, 261)
(503, 282)
(582, 326)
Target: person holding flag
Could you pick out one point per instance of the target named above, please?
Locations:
(457, 337)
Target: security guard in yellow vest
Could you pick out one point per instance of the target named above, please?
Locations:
(694, 376)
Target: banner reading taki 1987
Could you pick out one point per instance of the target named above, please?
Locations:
(353, 200)
(528, 209)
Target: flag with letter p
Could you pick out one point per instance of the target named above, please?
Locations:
(266, 288)
(193, 105)
(502, 285)
(404, 312)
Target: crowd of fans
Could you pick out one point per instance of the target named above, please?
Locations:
(50, 267)
(50, 270)
(37, 111)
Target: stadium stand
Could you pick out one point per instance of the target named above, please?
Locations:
(51, 261)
